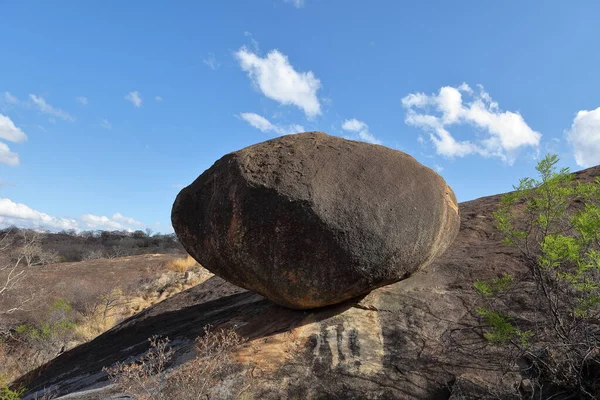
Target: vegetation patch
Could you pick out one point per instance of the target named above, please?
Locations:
(555, 223)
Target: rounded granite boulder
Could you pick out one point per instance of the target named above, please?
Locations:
(309, 220)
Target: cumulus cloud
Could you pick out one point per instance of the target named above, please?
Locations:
(117, 222)
(584, 136)
(126, 220)
(82, 100)
(362, 129)
(19, 214)
(158, 98)
(100, 222)
(211, 61)
(7, 156)
(135, 98)
(501, 133)
(46, 108)
(264, 125)
(8, 130)
(275, 77)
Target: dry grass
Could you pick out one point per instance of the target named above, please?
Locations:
(116, 306)
(95, 325)
(94, 311)
(182, 264)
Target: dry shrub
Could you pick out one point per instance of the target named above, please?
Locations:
(108, 310)
(147, 378)
(182, 264)
(214, 360)
(95, 254)
(19, 357)
(143, 378)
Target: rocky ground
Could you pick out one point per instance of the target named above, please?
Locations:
(416, 339)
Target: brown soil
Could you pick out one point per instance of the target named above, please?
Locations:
(78, 281)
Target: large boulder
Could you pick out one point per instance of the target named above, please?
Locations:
(310, 220)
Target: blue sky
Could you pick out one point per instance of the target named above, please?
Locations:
(108, 108)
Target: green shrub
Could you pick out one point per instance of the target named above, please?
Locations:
(7, 394)
(555, 223)
(58, 323)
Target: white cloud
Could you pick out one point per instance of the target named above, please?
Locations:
(8, 157)
(278, 80)
(362, 129)
(211, 61)
(178, 185)
(295, 3)
(261, 123)
(19, 214)
(158, 98)
(106, 124)
(503, 132)
(584, 136)
(126, 220)
(116, 222)
(100, 222)
(135, 98)
(257, 121)
(9, 98)
(46, 108)
(8, 130)
(82, 100)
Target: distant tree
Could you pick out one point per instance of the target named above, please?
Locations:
(31, 249)
(105, 236)
(139, 234)
(120, 250)
(87, 234)
(94, 254)
(111, 300)
(12, 272)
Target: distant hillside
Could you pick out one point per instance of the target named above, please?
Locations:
(68, 246)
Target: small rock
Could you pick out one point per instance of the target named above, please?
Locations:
(527, 386)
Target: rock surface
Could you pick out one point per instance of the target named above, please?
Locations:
(310, 220)
(416, 339)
